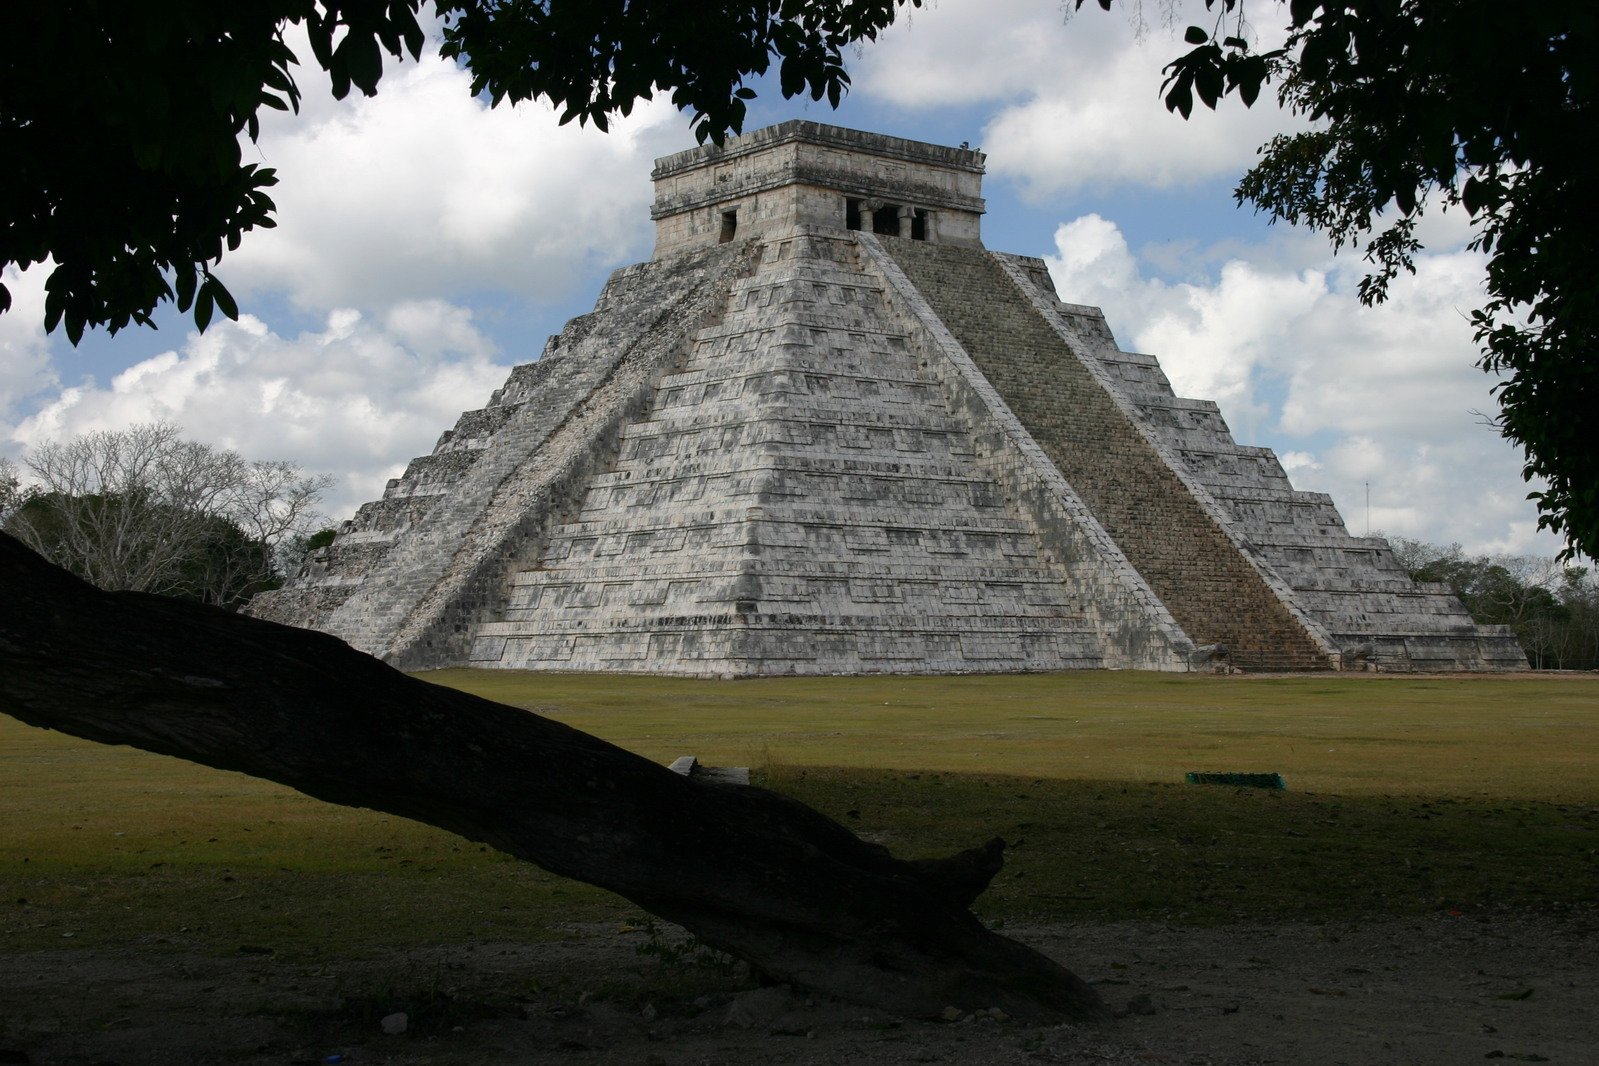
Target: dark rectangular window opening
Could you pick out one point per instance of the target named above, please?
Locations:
(919, 225)
(729, 226)
(852, 213)
(885, 220)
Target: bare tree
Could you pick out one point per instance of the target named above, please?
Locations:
(10, 489)
(1417, 555)
(143, 510)
(273, 504)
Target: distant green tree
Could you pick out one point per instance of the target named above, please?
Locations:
(293, 551)
(209, 560)
(1576, 645)
(10, 488)
(1554, 609)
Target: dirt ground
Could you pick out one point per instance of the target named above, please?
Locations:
(1434, 990)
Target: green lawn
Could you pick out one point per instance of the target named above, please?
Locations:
(1404, 795)
(1521, 738)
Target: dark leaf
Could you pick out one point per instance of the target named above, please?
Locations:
(187, 280)
(1180, 97)
(414, 37)
(203, 307)
(1405, 197)
(1474, 195)
(1209, 83)
(1249, 91)
(225, 302)
(791, 77)
(362, 60)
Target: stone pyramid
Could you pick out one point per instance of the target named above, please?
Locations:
(824, 431)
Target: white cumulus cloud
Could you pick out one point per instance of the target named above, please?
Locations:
(1348, 396)
(1079, 101)
(25, 368)
(354, 399)
(425, 191)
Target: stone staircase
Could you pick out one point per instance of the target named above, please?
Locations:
(795, 498)
(407, 578)
(1352, 586)
(1180, 550)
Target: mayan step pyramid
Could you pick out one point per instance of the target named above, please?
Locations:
(824, 431)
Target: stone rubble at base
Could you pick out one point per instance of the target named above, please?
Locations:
(824, 431)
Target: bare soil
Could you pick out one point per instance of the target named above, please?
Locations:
(1445, 989)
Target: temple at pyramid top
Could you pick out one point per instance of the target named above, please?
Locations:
(803, 173)
(823, 430)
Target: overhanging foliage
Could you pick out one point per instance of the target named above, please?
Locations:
(1472, 104)
(121, 124)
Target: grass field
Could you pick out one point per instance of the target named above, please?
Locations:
(1522, 738)
(1405, 795)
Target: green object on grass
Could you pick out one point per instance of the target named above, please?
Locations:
(1243, 780)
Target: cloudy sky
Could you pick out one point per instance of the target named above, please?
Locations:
(427, 243)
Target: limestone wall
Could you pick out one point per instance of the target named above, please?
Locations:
(802, 173)
(1137, 629)
(801, 497)
(332, 574)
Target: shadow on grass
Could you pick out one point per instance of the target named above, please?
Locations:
(331, 882)
(1113, 851)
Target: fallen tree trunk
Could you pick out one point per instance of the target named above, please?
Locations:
(751, 872)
